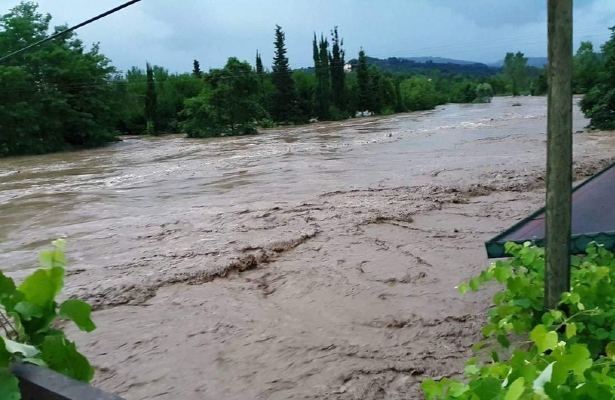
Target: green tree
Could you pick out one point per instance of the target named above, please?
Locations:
(484, 93)
(539, 85)
(53, 97)
(284, 97)
(363, 83)
(515, 71)
(463, 91)
(418, 93)
(151, 102)
(323, 82)
(586, 67)
(338, 76)
(599, 102)
(196, 69)
(228, 106)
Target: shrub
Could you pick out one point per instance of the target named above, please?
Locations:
(536, 353)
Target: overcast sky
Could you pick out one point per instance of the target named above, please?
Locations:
(174, 32)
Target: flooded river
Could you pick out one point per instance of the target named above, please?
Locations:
(306, 262)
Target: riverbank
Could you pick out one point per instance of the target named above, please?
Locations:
(313, 262)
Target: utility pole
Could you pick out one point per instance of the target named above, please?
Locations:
(559, 152)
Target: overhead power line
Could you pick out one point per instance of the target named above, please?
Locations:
(64, 32)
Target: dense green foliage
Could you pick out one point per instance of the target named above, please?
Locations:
(227, 106)
(596, 75)
(29, 318)
(532, 353)
(53, 97)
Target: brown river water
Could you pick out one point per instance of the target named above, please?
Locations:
(308, 262)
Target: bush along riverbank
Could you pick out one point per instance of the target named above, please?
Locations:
(532, 353)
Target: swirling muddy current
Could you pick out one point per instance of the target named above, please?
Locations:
(313, 262)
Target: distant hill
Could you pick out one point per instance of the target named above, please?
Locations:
(536, 62)
(439, 60)
(430, 64)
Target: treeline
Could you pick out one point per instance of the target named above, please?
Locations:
(62, 96)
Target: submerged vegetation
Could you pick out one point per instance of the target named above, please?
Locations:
(532, 353)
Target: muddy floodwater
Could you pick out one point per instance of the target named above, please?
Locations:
(314, 262)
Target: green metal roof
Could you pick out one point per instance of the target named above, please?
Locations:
(593, 218)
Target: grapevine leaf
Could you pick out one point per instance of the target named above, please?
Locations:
(9, 385)
(43, 286)
(543, 379)
(432, 389)
(543, 339)
(79, 312)
(463, 288)
(62, 356)
(571, 330)
(515, 390)
(474, 284)
(15, 347)
(28, 310)
(457, 389)
(486, 388)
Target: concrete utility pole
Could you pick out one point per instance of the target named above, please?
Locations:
(559, 152)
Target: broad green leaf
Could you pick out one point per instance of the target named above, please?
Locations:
(7, 286)
(471, 370)
(62, 356)
(502, 273)
(474, 284)
(543, 379)
(27, 310)
(79, 312)
(486, 388)
(543, 339)
(432, 389)
(463, 288)
(457, 389)
(516, 389)
(24, 349)
(9, 385)
(571, 330)
(41, 288)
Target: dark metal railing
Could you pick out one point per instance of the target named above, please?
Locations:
(37, 383)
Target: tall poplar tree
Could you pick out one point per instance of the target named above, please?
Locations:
(323, 86)
(284, 97)
(338, 77)
(196, 69)
(363, 87)
(151, 102)
(260, 76)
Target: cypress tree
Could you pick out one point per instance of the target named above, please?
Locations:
(260, 71)
(260, 76)
(323, 88)
(196, 69)
(363, 87)
(284, 97)
(338, 77)
(151, 102)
